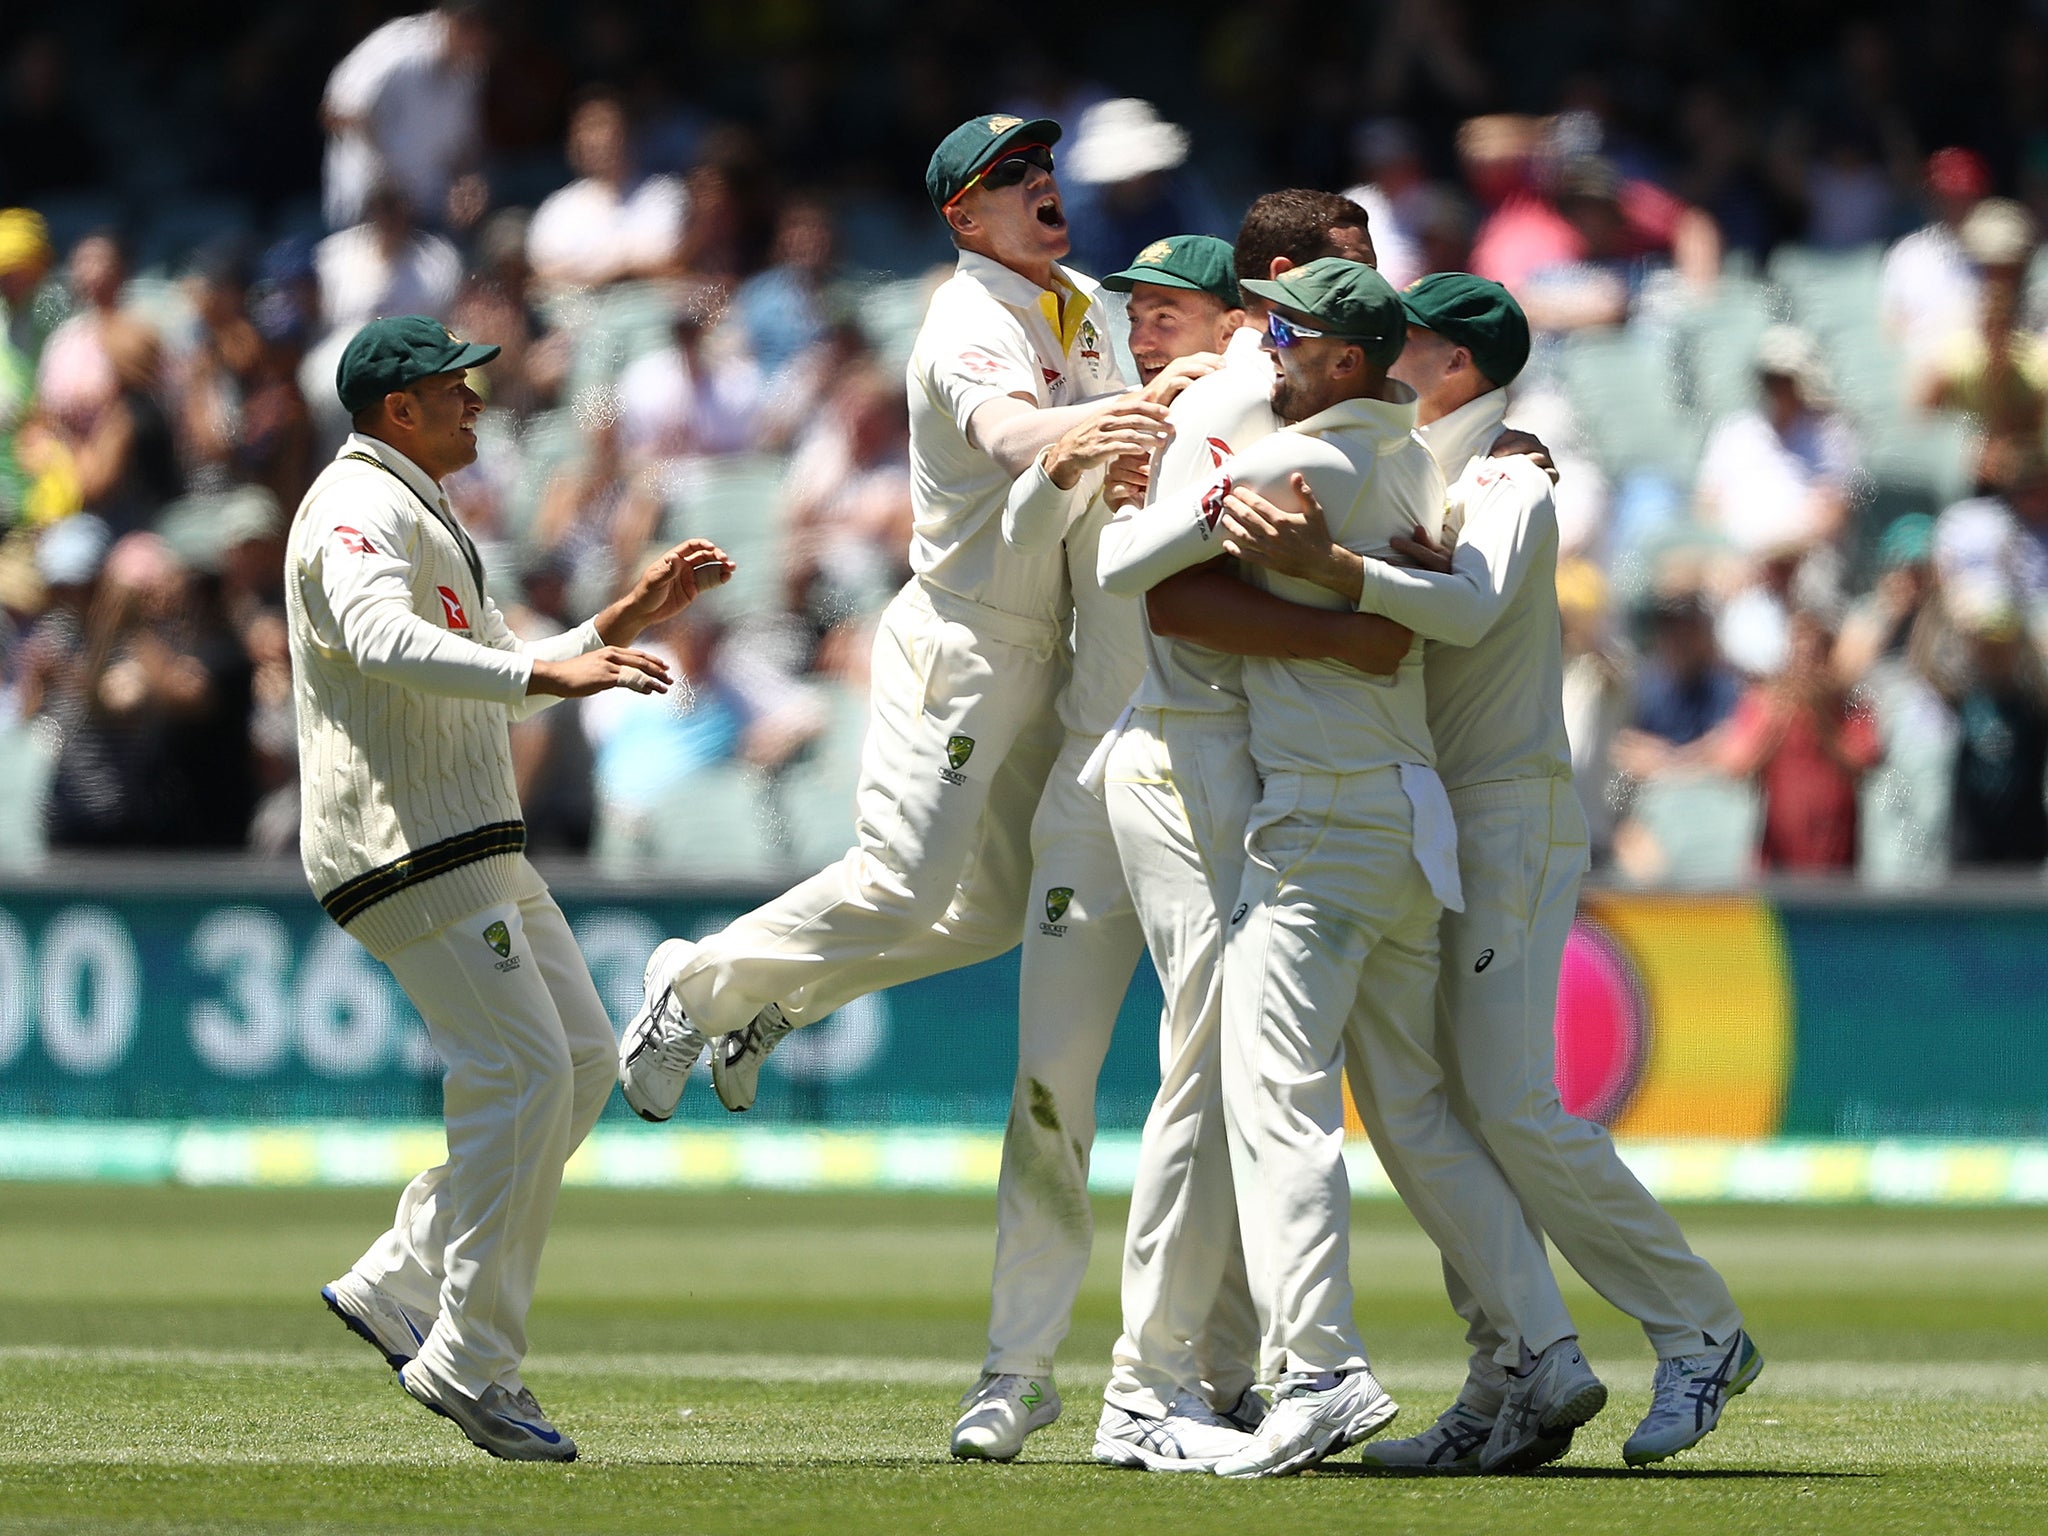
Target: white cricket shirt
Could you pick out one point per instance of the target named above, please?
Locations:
(992, 332)
(1218, 415)
(1375, 481)
(1494, 670)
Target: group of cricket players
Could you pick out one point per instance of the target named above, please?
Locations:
(1253, 664)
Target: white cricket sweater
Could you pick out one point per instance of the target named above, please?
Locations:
(404, 678)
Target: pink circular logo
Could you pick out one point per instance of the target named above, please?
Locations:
(1603, 1025)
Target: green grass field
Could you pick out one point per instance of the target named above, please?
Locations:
(788, 1364)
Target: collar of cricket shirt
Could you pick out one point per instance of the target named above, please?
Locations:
(1388, 421)
(1064, 306)
(1454, 441)
(417, 480)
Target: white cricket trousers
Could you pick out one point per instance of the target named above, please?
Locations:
(961, 735)
(1522, 850)
(1180, 786)
(1081, 944)
(530, 1060)
(1331, 965)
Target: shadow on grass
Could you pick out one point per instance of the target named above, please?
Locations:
(1631, 1474)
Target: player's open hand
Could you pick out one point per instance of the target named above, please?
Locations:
(1513, 441)
(1127, 427)
(1295, 541)
(612, 666)
(669, 585)
(1424, 553)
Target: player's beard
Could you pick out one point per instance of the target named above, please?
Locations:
(1290, 400)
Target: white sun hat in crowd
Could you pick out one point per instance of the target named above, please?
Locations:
(1122, 139)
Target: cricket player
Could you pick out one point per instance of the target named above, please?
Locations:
(1330, 959)
(1082, 944)
(404, 676)
(1494, 677)
(1177, 805)
(969, 659)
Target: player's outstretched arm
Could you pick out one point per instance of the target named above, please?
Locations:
(1209, 606)
(1048, 497)
(1142, 546)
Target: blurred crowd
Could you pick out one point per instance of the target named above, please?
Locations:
(1790, 358)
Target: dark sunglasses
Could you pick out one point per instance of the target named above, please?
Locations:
(1286, 333)
(1009, 171)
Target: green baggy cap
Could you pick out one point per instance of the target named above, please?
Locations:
(1347, 298)
(1480, 316)
(403, 349)
(1200, 262)
(978, 144)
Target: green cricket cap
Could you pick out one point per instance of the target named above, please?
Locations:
(1346, 298)
(391, 353)
(1480, 316)
(978, 144)
(1199, 262)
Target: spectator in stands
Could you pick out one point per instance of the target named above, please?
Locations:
(1879, 626)
(1998, 544)
(1929, 288)
(1684, 693)
(1995, 372)
(596, 516)
(75, 378)
(692, 398)
(1125, 171)
(1807, 746)
(1399, 196)
(1848, 196)
(124, 454)
(1777, 483)
(404, 109)
(613, 223)
(847, 506)
(1597, 693)
(783, 311)
(2000, 697)
(24, 263)
(501, 301)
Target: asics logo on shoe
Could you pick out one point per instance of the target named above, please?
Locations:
(1485, 959)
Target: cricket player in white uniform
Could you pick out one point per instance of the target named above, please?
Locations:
(1082, 943)
(1179, 786)
(968, 662)
(404, 676)
(1494, 677)
(1330, 958)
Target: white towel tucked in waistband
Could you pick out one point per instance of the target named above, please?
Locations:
(1436, 833)
(1096, 770)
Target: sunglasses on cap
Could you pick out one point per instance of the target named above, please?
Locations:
(1009, 171)
(1286, 333)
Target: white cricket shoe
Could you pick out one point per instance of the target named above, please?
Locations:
(660, 1047)
(736, 1058)
(1542, 1409)
(1451, 1444)
(1311, 1421)
(1001, 1411)
(1193, 1437)
(1687, 1397)
(509, 1425)
(380, 1319)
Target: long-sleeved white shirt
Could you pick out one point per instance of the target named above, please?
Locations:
(404, 678)
(1375, 481)
(1494, 668)
(1109, 631)
(1220, 414)
(992, 332)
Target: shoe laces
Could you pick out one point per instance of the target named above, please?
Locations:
(677, 1045)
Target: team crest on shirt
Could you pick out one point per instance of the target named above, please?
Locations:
(1057, 900)
(499, 937)
(1091, 341)
(451, 609)
(958, 750)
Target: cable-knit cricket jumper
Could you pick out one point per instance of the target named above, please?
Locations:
(404, 679)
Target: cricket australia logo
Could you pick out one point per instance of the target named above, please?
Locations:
(1090, 340)
(1057, 900)
(499, 937)
(958, 750)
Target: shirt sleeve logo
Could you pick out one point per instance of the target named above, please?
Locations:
(980, 364)
(1219, 450)
(354, 540)
(1212, 503)
(451, 608)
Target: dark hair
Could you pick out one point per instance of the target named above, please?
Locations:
(1294, 223)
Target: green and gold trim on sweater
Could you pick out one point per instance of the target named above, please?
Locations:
(349, 900)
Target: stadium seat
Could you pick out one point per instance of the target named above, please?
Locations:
(815, 793)
(26, 763)
(717, 828)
